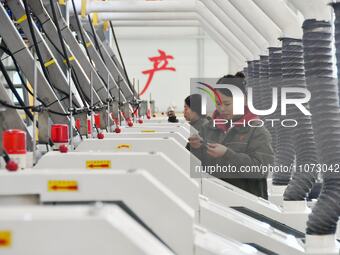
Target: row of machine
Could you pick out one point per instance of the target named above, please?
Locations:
(92, 169)
(134, 193)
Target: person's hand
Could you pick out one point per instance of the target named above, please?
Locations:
(195, 142)
(216, 150)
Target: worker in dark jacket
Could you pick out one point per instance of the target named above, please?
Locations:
(238, 145)
(192, 111)
(172, 115)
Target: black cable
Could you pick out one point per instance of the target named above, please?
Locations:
(120, 56)
(62, 55)
(84, 43)
(83, 97)
(15, 106)
(55, 19)
(95, 38)
(24, 83)
(74, 75)
(5, 156)
(51, 41)
(59, 113)
(35, 109)
(14, 91)
(80, 30)
(17, 68)
(62, 43)
(81, 137)
(66, 95)
(35, 42)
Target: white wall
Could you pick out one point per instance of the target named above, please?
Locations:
(167, 87)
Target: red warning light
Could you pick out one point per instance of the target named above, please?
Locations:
(59, 133)
(14, 141)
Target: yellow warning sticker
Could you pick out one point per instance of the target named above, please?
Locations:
(148, 131)
(62, 186)
(98, 164)
(83, 8)
(124, 146)
(22, 19)
(106, 25)
(50, 62)
(71, 58)
(5, 239)
(95, 19)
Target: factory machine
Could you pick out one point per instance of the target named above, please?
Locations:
(104, 175)
(205, 213)
(150, 134)
(155, 129)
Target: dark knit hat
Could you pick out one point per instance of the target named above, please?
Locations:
(194, 102)
(233, 80)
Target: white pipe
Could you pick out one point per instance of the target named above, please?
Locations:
(235, 55)
(239, 34)
(162, 37)
(313, 9)
(200, 55)
(151, 17)
(161, 6)
(166, 22)
(238, 59)
(226, 46)
(243, 23)
(35, 103)
(156, 33)
(289, 22)
(136, 6)
(256, 16)
(147, 16)
(218, 26)
(156, 23)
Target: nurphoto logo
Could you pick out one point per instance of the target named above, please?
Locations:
(232, 99)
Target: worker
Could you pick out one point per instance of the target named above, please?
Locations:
(240, 75)
(172, 115)
(193, 111)
(236, 146)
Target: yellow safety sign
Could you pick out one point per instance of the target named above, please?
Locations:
(50, 62)
(123, 146)
(83, 8)
(22, 19)
(62, 186)
(148, 131)
(70, 59)
(98, 164)
(5, 239)
(95, 19)
(106, 25)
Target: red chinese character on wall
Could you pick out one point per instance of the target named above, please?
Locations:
(160, 63)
